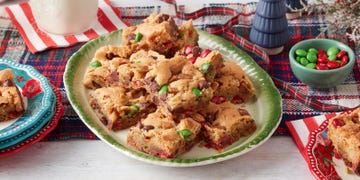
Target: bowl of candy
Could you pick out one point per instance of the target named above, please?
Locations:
(321, 63)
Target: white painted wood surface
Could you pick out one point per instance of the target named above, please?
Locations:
(276, 159)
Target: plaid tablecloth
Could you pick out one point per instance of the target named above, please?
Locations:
(226, 20)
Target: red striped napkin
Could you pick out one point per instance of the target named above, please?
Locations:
(300, 130)
(37, 40)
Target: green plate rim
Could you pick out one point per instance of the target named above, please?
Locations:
(265, 133)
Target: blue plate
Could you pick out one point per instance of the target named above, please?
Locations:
(30, 131)
(36, 107)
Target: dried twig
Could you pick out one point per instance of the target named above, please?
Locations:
(341, 15)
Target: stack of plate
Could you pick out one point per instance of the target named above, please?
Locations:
(18, 133)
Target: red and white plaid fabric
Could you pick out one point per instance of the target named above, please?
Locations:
(38, 40)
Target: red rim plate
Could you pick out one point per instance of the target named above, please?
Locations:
(51, 125)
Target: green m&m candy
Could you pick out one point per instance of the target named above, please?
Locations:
(313, 50)
(311, 57)
(332, 57)
(304, 61)
(332, 51)
(300, 52)
(311, 66)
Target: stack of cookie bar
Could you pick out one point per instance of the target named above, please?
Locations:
(170, 93)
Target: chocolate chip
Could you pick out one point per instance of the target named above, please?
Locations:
(196, 51)
(139, 125)
(355, 119)
(7, 83)
(243, 112)
(144, 105)
(153, 57)
(163, 96)
(148, 80)
(114, 77)
(148, 127)
(210, 117)
(173, 28)
(162, 18)
(218, 75)
(154, 86)
(137, 93)
(156, 100)
(130, 37)
(110, 55)
(104, 120)
(177, 109)
(96, 85)
(203, 84)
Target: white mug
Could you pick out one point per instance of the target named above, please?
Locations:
(64, 17)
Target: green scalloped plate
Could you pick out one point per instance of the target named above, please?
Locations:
(266, 109)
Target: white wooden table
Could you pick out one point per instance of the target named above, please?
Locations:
(276, 159)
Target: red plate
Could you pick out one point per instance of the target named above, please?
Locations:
(59, 110)
(320, 160)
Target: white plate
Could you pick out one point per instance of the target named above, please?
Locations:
(266, 110)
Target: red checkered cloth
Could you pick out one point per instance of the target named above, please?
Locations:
(229, 20)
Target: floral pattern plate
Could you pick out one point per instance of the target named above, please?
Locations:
(266, 110)
(30, 131)
(321, 160)
(36, 106)
(39, 135)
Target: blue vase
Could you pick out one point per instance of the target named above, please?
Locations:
(269, 40)
(271, 8)
(270, 26)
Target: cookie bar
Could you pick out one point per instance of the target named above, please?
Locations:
(344, 133)
(233, 83)
(159, 33)
(207, 61)
(178, 85)
(11, 103)
(225, 124)
(161, 135)
(118, 108)
(112, 70)
(103, 68)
